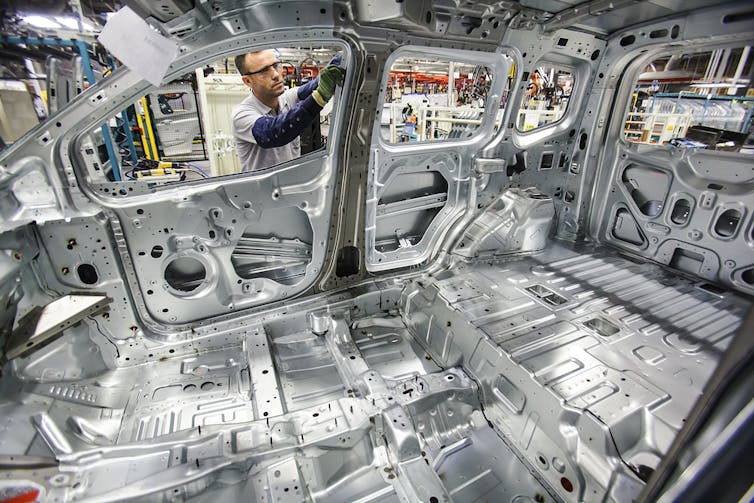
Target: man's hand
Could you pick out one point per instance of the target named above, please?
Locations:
(328, 79)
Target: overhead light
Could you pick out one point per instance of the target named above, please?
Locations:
(41, 22)
(667, 75)
(716, 85)
(71, 23)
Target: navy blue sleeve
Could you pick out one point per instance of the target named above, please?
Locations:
(270, 132)
(306, 90)
(337, 59)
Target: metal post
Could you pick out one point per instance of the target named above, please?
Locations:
(201, 127)
(83, 49)
(78, 14)
(129, 137)
(148, 121)
(739, 70)
(40, 107)
(712, 65)
(451, 83)
(721, 69)
(747, 121)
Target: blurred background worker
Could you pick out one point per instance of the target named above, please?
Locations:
(534, 88)
(267, 124)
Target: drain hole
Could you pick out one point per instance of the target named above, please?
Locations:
(87, 274)
(567, 484)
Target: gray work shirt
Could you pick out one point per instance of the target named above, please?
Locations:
(252, 156)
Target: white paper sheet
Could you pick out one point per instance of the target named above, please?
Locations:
(138, 46)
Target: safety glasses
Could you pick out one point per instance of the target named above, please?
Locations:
(274, 66)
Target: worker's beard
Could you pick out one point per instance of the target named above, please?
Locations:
(278, 89)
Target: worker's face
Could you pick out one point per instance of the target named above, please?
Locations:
(264, 74)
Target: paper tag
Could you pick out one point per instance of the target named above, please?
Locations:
(138, 46)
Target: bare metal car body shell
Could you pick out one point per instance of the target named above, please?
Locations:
(517, 351)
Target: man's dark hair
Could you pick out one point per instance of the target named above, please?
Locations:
(241, 63)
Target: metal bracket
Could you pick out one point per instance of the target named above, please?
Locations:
(489, 166)
(42, 325)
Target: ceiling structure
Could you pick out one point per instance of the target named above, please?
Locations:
(600, 17)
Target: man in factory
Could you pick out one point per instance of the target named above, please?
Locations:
(534, 88)
(267, 124)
